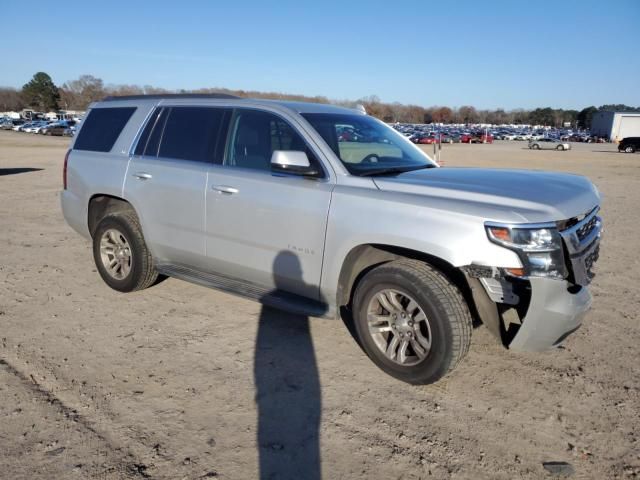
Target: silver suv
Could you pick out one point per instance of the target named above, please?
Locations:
(329, 212)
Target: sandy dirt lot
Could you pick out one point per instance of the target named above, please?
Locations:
(175, 381)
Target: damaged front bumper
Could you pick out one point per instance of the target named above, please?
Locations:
(556, 309)
(535, 313)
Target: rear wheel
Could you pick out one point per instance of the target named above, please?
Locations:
(629, 149)
(121, 255)
(411, 321)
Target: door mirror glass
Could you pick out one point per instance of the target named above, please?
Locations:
(292, 161)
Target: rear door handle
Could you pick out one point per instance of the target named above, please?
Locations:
(224, 189)
(142, 175)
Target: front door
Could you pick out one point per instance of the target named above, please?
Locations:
(265, 227)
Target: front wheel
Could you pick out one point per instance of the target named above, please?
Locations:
(559, 147)
(411, 321)
(121, 255)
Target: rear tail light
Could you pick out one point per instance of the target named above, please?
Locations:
(64, 169)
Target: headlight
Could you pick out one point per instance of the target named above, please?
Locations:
(539, 248)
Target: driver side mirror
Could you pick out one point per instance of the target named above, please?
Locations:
(292, 161)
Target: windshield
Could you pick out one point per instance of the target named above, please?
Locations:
(367, 146)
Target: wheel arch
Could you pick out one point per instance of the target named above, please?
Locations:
(101, 205)
(363, 258)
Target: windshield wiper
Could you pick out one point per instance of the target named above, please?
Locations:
(391, 170)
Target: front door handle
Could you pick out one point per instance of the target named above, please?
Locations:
(142, 175)
(224, 189)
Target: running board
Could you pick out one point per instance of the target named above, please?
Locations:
(273, 298)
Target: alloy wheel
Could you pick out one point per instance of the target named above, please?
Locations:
(115, 253)
(399, 327)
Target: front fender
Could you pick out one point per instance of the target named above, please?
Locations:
(365, 216)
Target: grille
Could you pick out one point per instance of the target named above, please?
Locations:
(587, 228)
(582, 244)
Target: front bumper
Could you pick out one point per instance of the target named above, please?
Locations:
(554, 313)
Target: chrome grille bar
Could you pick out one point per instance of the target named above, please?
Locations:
(583, 245)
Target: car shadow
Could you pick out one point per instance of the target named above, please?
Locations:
(287, 385)
(15, 171)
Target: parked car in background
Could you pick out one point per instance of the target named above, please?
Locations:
(428, 139)
(477, 137)
(18, 127)
(34, 127)
(548, 144)
(446, 138)
(483, 138)
(40, 127)
(58, 130)
(629, 145)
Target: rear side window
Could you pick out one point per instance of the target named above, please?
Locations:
(102, 127)
(150, 138)
(190, 133)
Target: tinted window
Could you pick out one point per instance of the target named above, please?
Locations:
(102, 127)
(153, 142)
(190, 133)
(255, 135)
(143, 142)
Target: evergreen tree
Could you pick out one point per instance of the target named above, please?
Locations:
(41, 92)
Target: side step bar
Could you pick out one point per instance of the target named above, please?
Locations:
(273, 298)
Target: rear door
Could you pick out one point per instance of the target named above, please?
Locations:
(167, 178)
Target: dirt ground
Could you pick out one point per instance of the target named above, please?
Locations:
(177, 380)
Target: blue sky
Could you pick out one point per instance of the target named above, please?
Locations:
(510, 54)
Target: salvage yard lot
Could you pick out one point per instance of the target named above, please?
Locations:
(162, 383)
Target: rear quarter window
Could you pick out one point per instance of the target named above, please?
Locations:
(102, 127)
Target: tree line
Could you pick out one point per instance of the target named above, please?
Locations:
(41, 94)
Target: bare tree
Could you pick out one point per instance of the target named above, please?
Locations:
(78, 94)
(10, 99)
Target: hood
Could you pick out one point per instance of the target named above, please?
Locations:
(498, 194)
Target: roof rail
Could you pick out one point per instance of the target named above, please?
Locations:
(159, 96)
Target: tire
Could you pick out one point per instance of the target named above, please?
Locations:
(629, 149)
(560, 147)
(446, 324)
(137, 271)
(535, 146)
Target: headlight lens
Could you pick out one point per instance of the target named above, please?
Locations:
(540, 249)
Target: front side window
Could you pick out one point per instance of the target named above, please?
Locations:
(255, 135)
(189, 133)
(367, 146)
(102, 127)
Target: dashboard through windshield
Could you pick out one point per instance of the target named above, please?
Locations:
(367, 146)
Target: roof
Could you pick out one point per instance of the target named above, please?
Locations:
(614, 112)
(300, 107)
(113, 98)
(308, 107)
